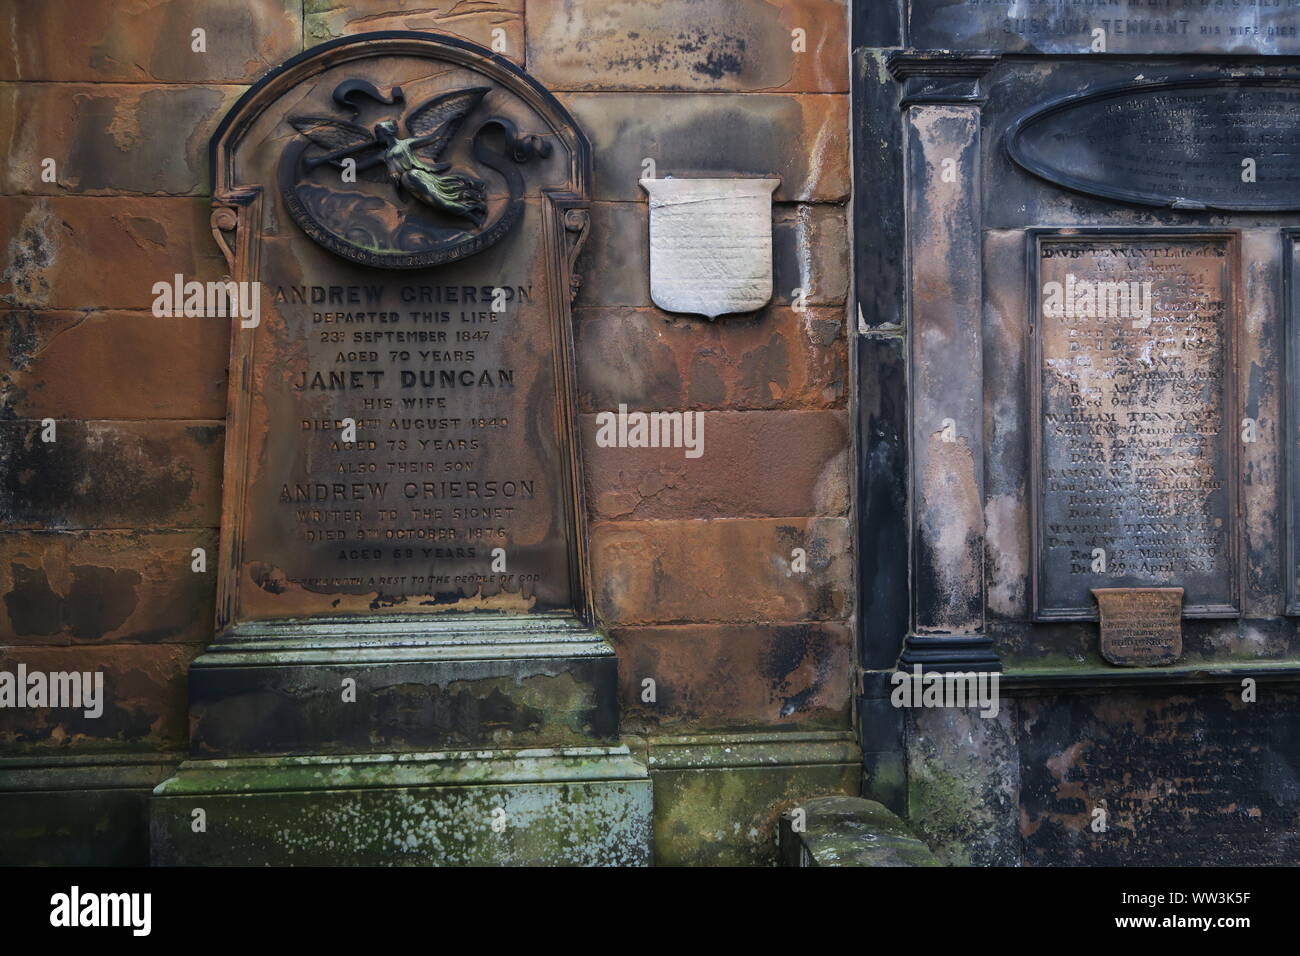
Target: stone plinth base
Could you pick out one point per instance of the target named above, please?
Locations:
(587, 806)
(407, 686)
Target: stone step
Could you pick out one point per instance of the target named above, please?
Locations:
(848, 831)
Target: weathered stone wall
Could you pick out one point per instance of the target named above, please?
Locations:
(1189, 764)
(99, 526)
(691, 558)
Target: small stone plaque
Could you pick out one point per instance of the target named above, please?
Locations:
(1141, 627)
(710, 244)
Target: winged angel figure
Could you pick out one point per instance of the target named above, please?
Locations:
(410, 163)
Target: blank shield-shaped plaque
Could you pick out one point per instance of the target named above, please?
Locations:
(710, 244)
(1141, 627)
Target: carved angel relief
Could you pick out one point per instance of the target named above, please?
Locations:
(370, 194)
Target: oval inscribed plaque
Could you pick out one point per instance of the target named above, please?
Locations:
(1230, 144)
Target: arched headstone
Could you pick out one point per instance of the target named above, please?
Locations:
(402, 566)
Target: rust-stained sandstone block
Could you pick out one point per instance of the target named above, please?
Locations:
(732, 677)
(495, 24)
(112, 474)
(665, 572)
(74, 252)
(143, 41)
(774, 358)
(109, 138)
(803, 140)
(805, 458)
(749, 45)
(70, 365)
(106, 587)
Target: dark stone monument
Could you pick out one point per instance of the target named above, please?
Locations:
(1104, 215)
(404, 634)
(1077, 390)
